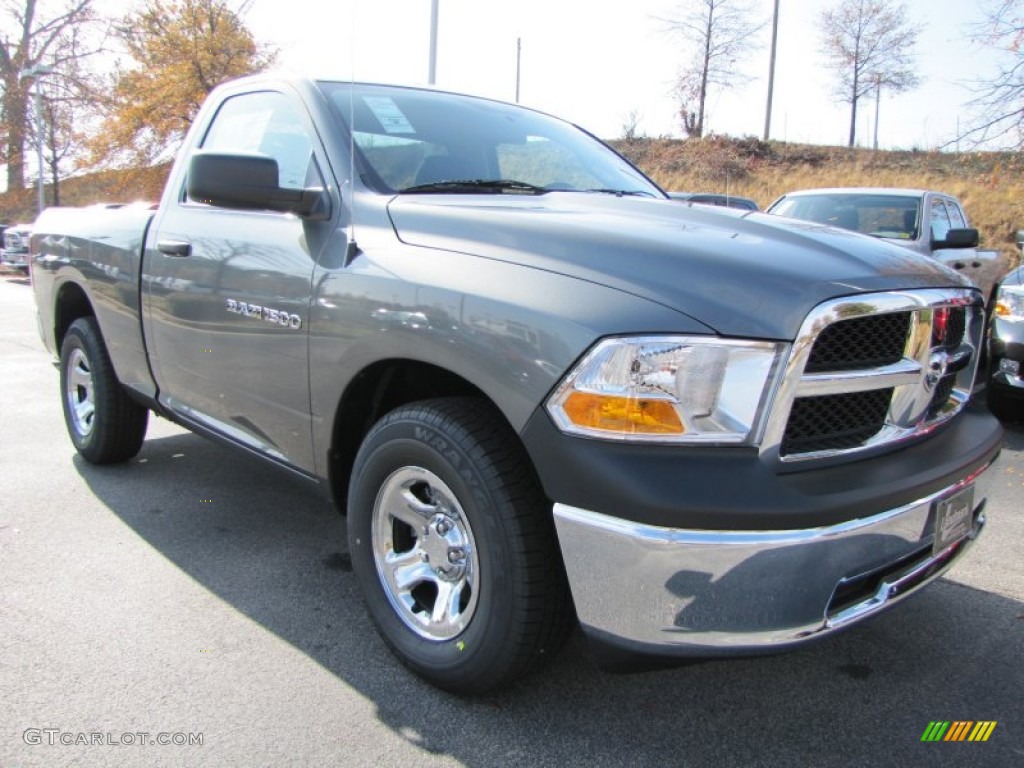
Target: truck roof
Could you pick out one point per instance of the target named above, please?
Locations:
(865, 191)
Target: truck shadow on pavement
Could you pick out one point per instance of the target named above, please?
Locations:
(273, 548)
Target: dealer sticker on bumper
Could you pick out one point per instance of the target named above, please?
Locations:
(953, 518)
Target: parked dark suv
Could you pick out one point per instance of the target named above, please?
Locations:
(713, 198)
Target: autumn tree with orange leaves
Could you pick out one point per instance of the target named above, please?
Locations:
(177, 53)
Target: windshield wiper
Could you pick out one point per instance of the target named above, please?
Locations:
(476, 185)
(620, 192)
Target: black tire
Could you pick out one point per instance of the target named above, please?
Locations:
(104, 423)
(1003, 407)
(510, 614)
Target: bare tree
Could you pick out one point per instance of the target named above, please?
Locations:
(631, 126)
(70, 114)
(870, 45)
(71, 98)
(1000, 99)
(718, 33)
(33, 33)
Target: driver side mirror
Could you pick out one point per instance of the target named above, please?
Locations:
(958, 238)
(250, 182)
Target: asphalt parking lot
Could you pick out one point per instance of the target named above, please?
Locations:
(193, 596)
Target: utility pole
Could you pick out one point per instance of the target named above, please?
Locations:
(519, 59)
(771, 73)
(432, 73)
(878, 103)
(35, 73)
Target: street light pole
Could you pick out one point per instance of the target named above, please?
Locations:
(771, 73)
(519, 59)
(39, 143)
(878, 104)
(432, 70)
(35, 73)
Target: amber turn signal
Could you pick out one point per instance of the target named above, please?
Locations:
(622, 414)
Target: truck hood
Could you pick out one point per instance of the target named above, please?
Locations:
(742, 274)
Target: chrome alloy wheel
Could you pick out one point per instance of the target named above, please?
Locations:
(425, 553)
(81, 393)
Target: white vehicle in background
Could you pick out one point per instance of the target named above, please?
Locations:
(15, 250)
(925, 221)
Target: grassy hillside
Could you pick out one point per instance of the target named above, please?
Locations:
(990, 185)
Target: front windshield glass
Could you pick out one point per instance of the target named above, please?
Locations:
(419, 140)
(896, 217)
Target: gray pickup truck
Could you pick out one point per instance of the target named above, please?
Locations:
(929, 222)
(542, 392)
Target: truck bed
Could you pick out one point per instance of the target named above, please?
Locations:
(100, 247)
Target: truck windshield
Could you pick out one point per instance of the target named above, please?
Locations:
(413, 140)
(897, 217)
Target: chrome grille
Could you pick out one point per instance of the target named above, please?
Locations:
(868, 371)
(863, 342)
(835, 422)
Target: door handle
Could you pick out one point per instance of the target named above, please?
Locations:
(174, 248)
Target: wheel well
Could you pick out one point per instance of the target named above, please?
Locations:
(375, 392)
(72, 303)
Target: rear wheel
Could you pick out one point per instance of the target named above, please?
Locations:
(454, 548)
(105, 425)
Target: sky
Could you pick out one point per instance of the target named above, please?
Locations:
(594, 62)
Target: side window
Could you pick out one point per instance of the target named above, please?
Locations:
(956, 216)
(940, 220)
(266, 123)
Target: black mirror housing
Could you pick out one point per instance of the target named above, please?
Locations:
(249, 182)
(958, 238)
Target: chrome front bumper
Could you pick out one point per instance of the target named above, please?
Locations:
(691, 593)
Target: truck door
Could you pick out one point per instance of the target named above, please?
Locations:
(228, 292)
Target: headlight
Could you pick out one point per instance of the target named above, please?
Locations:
(1010, 303)
(674, 389)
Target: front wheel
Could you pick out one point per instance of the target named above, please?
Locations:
(454, 548)
(104, 423)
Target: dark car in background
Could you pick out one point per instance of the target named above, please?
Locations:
(714, 198)
(1006, 349)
